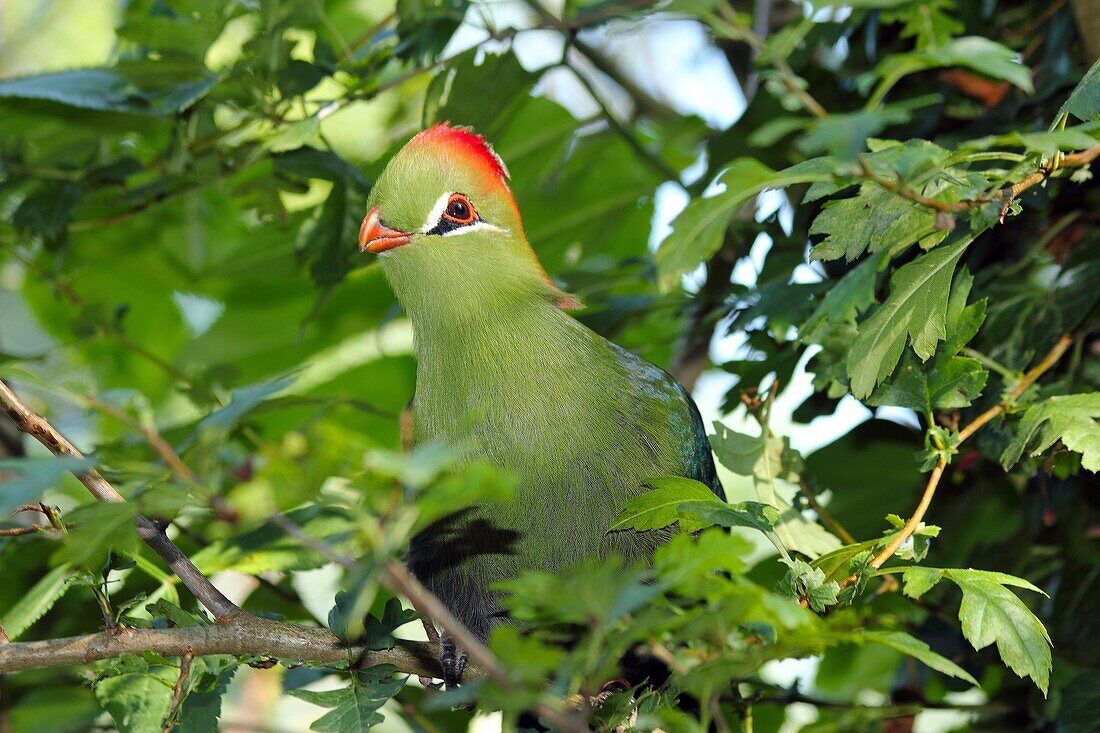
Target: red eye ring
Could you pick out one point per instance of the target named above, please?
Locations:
(460, 210)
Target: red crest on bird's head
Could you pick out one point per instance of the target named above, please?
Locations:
(467, 143)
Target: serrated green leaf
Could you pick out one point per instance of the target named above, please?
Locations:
(34, 603)
(803, 580)
(991, 613)
(774, 467)
(953, 384)
(659, 508)
(1071, 419)
(914, 647)
(750, 514)
(993, 577)
(916, 310)
(355, 707)
(207, 684)
(97, 530)
(845, 300)
(138, 703)
(918, 581)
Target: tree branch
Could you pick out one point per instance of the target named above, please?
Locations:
(40, 429)
(937, 473)
(1003, 196)
(243, 635)
(398, 579)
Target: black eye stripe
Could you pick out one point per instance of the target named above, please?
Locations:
(445, 225)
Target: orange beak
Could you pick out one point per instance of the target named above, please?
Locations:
(374, 236)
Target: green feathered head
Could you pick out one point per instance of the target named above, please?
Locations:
(448, 230)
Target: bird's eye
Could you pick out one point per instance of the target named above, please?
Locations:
(459, 210)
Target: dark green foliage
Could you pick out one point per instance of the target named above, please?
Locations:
(180, 286)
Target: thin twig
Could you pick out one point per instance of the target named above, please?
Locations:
(937, 473)
(150, 433)
(761, 412)
(40, 429)
(792, 696)
(177, 692)
(1003, 196)
(20, 531)
(649, 157)
(735, 31)
(1028, 379)
(825, 515)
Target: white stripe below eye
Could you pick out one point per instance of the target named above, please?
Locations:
(436, 212)
(476, 226)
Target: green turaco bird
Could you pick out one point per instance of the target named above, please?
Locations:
(504, 371)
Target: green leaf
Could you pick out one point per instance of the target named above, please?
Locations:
(972, 52)
(739, 452)
(874, 220)
(478, 90)
(1071, 419)
(774, 468)
(97, 530)
(164, 90)
(269, 548)
(1084, 101)
(918, 580)
(99, 89)
(377, 632)
(749, 514)
(175, 614)
(907, 644)
(697, 232)
(846, 299)
(207, 684)
(242, 401)
(33, 476)
(991, 613)
(138, 703)
(46, 708)
(947, 381)
(34, 603)
(952, 384)
(660, 507)
(845, 135)
(711, 551)
(993, 577)
(355, 707)
(805, 581)
(916, 309)
(47, 208)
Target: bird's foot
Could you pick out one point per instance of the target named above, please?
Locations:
(453, 660)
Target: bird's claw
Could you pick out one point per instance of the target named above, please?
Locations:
(453, 661)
